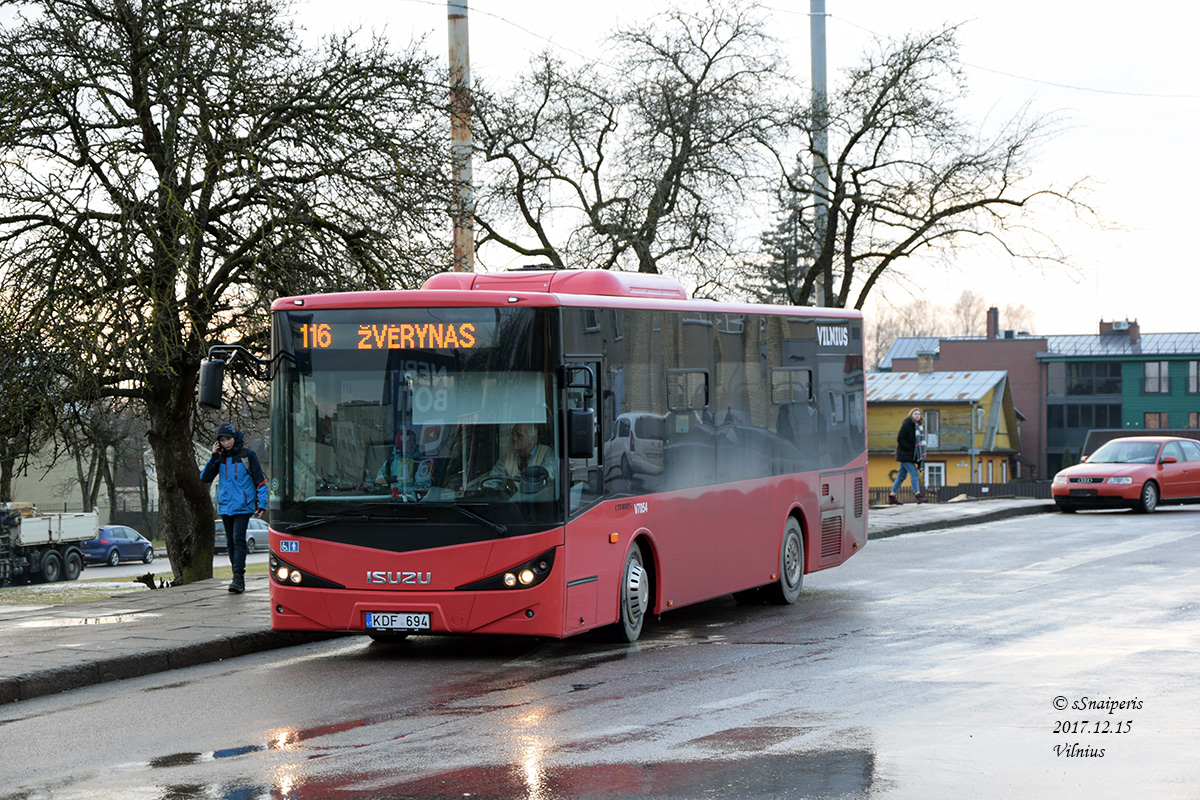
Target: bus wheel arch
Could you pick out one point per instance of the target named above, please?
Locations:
(787, 589)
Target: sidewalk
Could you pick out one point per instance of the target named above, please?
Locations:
(55, 648)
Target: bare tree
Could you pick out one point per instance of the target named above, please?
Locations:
(970, 312)
(171, 167)
(644, 170)
(1018, 317)
(908, 175)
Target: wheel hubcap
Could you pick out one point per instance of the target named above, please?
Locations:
(791, 560)
(636, 599)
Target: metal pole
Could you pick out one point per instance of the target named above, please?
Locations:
(820, 146)
(463, 209)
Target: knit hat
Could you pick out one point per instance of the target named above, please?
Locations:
(225, 429)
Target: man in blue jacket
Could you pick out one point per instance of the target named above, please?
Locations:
(241, 493)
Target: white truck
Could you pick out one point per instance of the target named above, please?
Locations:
(42, 548)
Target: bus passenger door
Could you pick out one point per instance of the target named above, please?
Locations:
(587, 530)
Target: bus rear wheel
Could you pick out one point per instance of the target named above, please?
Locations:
(634, 598)
(791, 567)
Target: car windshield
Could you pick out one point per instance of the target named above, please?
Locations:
(1117, 452)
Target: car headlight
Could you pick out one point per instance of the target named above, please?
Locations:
(1124, 480)
(1060, 478)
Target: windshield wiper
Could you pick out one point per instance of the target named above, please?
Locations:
(480, 518)
(358, 516)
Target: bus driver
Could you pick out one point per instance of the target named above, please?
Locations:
(525, 452)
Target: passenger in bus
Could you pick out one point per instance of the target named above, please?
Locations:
(399, 470)
(524, 453)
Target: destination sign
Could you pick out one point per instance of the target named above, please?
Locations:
(387, 336)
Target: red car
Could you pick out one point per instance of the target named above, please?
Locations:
(1138, 472)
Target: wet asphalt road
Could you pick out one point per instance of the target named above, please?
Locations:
(1051, 656)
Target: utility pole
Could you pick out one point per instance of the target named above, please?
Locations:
(820, 147)
(463, 209)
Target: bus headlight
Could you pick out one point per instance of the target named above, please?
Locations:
(284, 573)
(522, 576)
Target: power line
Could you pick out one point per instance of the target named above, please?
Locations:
(1071, 87)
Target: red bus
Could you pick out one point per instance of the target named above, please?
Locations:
(550, 452)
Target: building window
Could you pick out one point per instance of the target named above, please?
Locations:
(933, 429)
(1194, 419)
(1193, 385)
(1083, 378)
(1155, 380)
(1155, 420)
(935, 474)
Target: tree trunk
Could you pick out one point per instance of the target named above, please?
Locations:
(6, 476)
(185, 508)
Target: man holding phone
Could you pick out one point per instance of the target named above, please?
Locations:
(241, 493)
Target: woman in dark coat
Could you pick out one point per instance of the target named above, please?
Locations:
(910, 453)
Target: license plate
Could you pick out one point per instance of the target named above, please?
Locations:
(390, 621)
(1084, 492)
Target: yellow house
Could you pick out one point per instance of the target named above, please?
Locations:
(971, 433)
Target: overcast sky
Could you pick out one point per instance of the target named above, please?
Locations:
(1122, 77)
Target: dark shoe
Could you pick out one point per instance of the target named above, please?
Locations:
(922, 499)
(894, 501)
(238, 585)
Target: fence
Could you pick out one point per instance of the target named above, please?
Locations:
(1034, 490)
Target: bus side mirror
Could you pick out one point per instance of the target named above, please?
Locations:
(212, 376)
(581, 429)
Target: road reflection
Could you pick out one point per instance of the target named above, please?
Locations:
(848, 773)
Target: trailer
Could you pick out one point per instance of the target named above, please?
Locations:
(42, 548)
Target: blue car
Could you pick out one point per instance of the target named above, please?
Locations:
(116, 543)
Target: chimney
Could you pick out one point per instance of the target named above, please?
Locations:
(924, 363)
(1122, 326)
(993, 322)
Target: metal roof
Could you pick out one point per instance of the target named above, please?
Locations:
(1095, 345)
(932, 387)
(909, 347)
(1114, 345)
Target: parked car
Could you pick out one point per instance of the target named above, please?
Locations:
(1138, 472)
(256, 534)
(116, 543)
(636, 446)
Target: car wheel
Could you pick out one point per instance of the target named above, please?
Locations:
(72, 566)
(791, 567)
(114, 557)
(1149, 499)
(634, 596)
(148, 556)
(250, 545)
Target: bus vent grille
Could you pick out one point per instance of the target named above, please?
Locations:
(825, 490)
(858, 498)
(831, 536)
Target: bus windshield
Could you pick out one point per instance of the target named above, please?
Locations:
(393, 413)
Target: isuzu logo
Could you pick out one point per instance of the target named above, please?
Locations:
(412, 578)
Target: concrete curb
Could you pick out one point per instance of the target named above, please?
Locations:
(39, 683)
(957, 522)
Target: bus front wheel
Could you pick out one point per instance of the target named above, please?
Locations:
(634, 597)
(791, 566)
